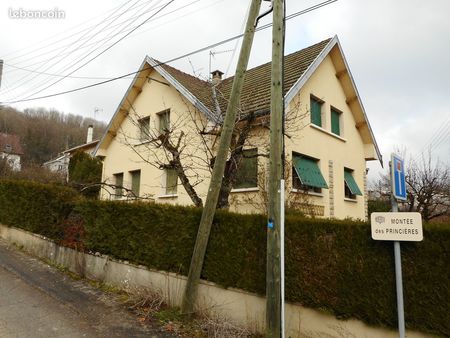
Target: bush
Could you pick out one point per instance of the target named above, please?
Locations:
(85, 173)
(36, 207)
(334, 266)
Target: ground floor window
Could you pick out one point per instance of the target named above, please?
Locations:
(306, 174)
(247, 173)
(350, 186)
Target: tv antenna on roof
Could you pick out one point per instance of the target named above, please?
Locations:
(212, 54)
(97, 111)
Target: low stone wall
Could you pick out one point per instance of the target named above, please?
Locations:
(241, 307)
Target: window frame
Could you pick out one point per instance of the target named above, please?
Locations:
(144, 129)
(297, 184)
(241, 183)
(339, 114)
(161, 117)
(136, 194)
(167, 187)
(347, 191)
(118, 190)
(313, 98)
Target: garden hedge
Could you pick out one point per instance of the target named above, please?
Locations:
(334, 266)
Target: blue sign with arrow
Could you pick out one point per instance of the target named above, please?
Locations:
(398, 177)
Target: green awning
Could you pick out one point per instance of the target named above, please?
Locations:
(309, 173)
(351, 183)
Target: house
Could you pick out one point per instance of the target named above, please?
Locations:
(328, 136)
(60, 164)
(11, 150)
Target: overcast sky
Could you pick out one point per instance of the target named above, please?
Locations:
(398, 52)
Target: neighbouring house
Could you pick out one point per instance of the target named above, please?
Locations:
(328, 136)
(11, 150)
(60, 164)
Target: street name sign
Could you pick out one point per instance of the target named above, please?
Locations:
(396, 226)
(398, 177)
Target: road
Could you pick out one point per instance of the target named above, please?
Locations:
(36, 300)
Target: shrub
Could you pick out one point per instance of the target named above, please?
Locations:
(334, 265)
(85, 172)
(36, 207)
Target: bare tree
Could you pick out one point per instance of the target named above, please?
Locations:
(428, 183)
(187, 145)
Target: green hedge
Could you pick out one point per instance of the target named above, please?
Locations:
(36, 207)
(334, 266)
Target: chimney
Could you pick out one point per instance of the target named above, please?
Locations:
(216, 77)
(90, 133)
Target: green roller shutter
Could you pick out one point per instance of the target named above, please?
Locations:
(135, 182)
(247, 172)
(309, 173)
(119, 184)
(335, 127)
(171, 181)
(316, 112)
(351, 183)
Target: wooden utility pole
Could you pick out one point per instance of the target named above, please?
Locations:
(273, 275)
(190, 293)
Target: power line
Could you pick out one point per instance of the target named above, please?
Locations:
(102, 52)
(24, 68)
(73, 47)
(90, 29)
(53, 36)
(153, 27)
(291, 16)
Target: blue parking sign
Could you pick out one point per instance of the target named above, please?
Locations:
(398, 177)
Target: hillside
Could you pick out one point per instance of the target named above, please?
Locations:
(45, 133)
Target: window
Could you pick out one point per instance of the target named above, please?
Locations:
(350, 186)
(135, 182)
(316, 111)
(164, 122)
(171, 182)
(144, 129)
(335, 121)
(247, 172)
(118, 182)
(306, 174)
(8, 147)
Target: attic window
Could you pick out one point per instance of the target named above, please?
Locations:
(316, 111)
(336, 125)
(144, 129)
(164, 121)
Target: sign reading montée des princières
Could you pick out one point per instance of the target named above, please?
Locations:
(396, 226)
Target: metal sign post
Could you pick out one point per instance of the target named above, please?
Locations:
(398, 190)
(397, 226)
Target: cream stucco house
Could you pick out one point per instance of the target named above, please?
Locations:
(328, 136)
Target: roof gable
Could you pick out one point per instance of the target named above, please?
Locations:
(255, 97)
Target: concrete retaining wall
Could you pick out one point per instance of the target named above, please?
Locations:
(239, 306)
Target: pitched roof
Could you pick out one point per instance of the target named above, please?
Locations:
(10, 143)
(255, 97)
(256, 89)
(83, 147)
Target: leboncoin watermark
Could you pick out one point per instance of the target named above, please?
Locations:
(21, 13)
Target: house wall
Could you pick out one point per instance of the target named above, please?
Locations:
(333, 152)
(122, 153)
(13, 160)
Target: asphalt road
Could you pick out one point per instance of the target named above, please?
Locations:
(36, 300)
